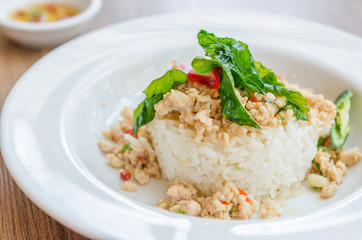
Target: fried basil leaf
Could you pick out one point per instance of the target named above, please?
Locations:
(295, 100)
(242, 72)
(231, 107)
(234, 55)
(145, 111)
(267, 75)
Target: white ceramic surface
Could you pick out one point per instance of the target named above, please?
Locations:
(47, 34)
(52, 119)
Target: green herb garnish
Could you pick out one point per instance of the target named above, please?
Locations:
(324, 149)
(235, 57)
(270, 101)
(298, 112)
(281, 118)
(321, 141)
(318, 167)
(317, 188)
(232, 210)
(295, 99)
(126, 147)
(180, 211)
(145, 111)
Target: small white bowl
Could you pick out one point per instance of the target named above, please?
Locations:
(46, 34)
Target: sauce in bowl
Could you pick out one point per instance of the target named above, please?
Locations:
(45, 12)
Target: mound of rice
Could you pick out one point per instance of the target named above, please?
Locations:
(261, 163)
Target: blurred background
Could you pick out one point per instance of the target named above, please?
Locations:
(343, 14)
(19, 217)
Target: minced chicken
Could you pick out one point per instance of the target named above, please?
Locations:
(228, 203)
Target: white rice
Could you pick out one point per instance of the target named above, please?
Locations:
(261, 163)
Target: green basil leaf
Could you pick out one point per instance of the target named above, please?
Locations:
(181, 211)
(294, 97)
(203, 65)
(231, 107)
(267, 75)
(299, 114)
(232, 210)
(236, 56)
(126, 147)
(321, 141)
(270, 101)
(145, 111)
(318, 167)
(324, 149)
(164, 84)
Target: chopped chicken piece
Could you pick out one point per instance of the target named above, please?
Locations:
(349, 156)
(129, 186)
(329, 190)
(268, 211)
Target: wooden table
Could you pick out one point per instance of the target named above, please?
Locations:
(19, 217)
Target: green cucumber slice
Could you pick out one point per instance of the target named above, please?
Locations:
(341, 128)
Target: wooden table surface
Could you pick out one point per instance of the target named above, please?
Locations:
(19, 217)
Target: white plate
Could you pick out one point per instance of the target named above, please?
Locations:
(52, 119)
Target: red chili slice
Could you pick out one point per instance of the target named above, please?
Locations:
(254, 99)
(125, 175)
(241, 191)
(215, 72)
(210, 80)
(129, 131)
(141, 159)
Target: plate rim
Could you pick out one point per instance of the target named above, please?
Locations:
(6, 152)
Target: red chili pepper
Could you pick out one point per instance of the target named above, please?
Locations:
(210, 80)
(276, 114)
(241, 192)
(142, 159)
(215, 71)
(225, 202)
(129, 131)
(254, 99)
(125, 175)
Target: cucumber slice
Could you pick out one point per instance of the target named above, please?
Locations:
(341, 128)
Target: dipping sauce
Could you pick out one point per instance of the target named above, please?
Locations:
(45, 12)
